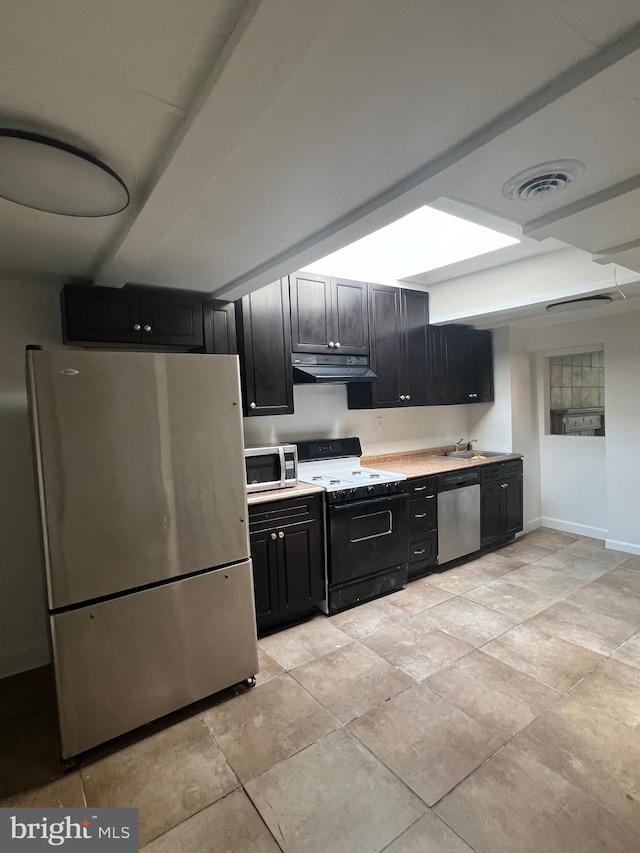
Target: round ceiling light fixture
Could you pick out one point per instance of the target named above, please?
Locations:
(543, 180)
(582, 302)
(46, 174)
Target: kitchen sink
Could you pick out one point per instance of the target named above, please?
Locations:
(469, 454)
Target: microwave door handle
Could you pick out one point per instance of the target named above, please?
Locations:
(283, 471)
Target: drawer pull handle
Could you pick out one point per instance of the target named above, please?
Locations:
(420, 515)
(420, 489)
(420, 552)
(429, 497)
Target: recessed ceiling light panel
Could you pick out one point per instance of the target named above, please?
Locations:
(49, 175)
(543, 180)
(426, 239)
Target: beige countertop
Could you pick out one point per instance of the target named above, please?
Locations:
(421, 463)
(297, 491)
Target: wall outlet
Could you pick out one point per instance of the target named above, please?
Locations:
(379, 421)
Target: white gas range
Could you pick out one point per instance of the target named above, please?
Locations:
(342, 476)
(366, 521)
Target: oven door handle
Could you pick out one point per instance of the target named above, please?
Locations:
(387, 501)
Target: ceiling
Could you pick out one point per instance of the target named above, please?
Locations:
(259, 135)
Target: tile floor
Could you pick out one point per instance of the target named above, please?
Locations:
(494, 707)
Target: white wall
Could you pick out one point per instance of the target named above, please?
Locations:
(595, 482)
(29, 314)
(321, 410)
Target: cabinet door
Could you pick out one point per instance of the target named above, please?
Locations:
(100, 314)
(300, 568)
(265, 578)
(385, 330)
(438, 367)
(264, 342)
(491, 513)
(481, 355)
(171, 320)
(415, 324)
(311, 321)
(513, 510)
(219, 327)
(350, 323)
(469, 365)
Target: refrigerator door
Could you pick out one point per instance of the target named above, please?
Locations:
(140, 465)
(124, 662)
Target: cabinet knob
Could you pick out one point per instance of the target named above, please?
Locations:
(504, 485)
(337, 344)
(252, 405)
(402, 397)
(331, 344)
(147, 328)
(421, 551)
(136, 327)
(274, 536)
(473, 396)
(408, 397)
(280, 534)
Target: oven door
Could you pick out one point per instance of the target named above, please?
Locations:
(367, 536)
(265, 468)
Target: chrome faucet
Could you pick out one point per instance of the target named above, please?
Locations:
(459, 444)
(472, 441)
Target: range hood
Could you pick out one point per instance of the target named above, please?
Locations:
(337, 369)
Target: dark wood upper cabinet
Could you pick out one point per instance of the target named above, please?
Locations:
(219, 327)
(461, 366)
(328, 315)
(131, 315)
(398, 322)
(264, 345)
(415, 326)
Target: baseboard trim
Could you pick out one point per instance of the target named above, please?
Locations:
(571, 527)
(627, 547)
(530, 525)
(20, 661)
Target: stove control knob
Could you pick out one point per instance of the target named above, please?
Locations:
(341, 495)
(352, 493)
(371, 489)
(397, 487)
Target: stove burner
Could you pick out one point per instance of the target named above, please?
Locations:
(374, 476)
(333, 482)
(356, 473)
(318, 477)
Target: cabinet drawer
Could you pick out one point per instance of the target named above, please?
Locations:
(421, 486)
(424, 550)
(423, 513)
(491, 473)
(283, 513)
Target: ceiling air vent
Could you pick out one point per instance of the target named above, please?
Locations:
(543, 180)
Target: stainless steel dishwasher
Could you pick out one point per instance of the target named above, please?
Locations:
(458, 514)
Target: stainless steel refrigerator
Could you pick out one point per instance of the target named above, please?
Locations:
(140, 467)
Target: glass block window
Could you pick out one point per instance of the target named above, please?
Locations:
(576, 393)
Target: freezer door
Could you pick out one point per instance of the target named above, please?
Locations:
(158, 649)
(140, 465)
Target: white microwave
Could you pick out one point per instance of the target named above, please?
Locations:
(273, 466)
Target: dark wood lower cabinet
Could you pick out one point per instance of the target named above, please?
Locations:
(423, 526)
(501, 515)
(288, 559)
